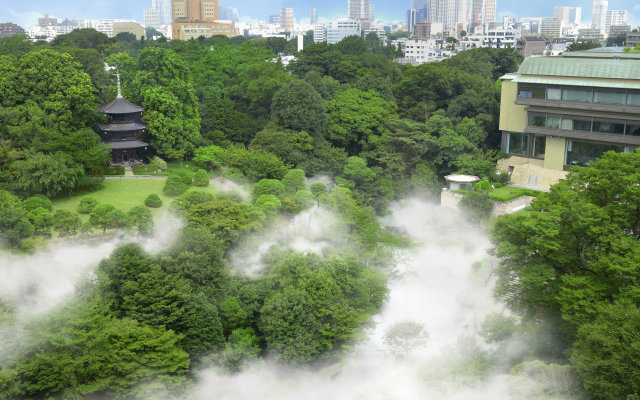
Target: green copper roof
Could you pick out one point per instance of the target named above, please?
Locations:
(582, 67)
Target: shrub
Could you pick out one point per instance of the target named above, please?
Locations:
(153, 201)
(86, 205)
(294, 180)
(268, 186)
(36, 201)
(234, 174)
(174, 186)
(185, 175)
(110, 171)
(476, 205)
(201, 178)
(498, 185)
(162, 164)
(145, 169)
(483, 186)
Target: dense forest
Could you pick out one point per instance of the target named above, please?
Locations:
(342, 127)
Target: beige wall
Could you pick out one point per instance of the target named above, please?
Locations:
(513, 117)
(554, 153)
(131, 27)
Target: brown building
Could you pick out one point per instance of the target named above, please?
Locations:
(531, 45)
(193, 29)
(422, 30)
(129, 27)
(194, 10)
(9, 29)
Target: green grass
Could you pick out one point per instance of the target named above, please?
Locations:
(507, 193)
(125, 194)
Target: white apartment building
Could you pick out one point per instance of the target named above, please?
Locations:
(319, 33)
(340, 29)
(500, 38)
(615, 18)
(599, 14)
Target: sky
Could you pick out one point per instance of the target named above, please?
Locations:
(26, 13)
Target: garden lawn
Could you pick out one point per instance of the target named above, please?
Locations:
(507, 193)
(125, 194)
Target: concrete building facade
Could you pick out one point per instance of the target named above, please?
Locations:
(287, 20)
(340, 29)
(560, 112)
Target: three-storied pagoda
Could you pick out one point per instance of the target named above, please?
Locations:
(124, 130)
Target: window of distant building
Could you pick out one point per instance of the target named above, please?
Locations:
(516, 143)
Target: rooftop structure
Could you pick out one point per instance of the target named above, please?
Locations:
(559, 112)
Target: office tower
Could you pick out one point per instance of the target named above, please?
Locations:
(372, 12)
(599, 14)
(164, 7)
(615, 18)
(313, 16)
(195, 10)
(287, 20)
(411, 19)
(342, 28)
(152, 18)
(230, 14)
(568, 15)
(358, 9)
(274, 19)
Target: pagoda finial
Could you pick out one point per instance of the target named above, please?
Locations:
(119, 91)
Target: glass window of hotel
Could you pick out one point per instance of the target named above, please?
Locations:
(608, 96)
(584, 95)
(539, 143)
(537, 120)
(633, 129)
(572, 124)
(608, 127)
(583, 153)
(633, 99)
(517, 143)
(553, 121)
(554, 93)
(528, 92)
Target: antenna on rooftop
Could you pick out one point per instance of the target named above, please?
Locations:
(119, 91)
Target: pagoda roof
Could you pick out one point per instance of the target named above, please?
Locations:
(120, 106)
(126, 144)
(122, 127)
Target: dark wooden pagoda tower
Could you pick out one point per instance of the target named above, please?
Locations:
(124, 130)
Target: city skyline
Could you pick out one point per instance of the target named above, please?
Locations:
(27, 13)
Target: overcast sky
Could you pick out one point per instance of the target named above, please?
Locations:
(25, 13)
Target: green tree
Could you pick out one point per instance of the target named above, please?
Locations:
(476, 205)
(36, 201)
(582, 46)
(66, 223)
(104, 216)
(605, 353)
(405, 336)
(142, 218)
(208, 157)
(86, 205)
(354, 116)
(294, 180)
(51, 175)
(201, 178)
(14, 225)
(42, 221)
(241, 348)
(299, 107)
(153, 201)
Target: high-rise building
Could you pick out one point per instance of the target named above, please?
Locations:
(411, 19)
(230, 14)
(551, 27)
(569, 16)
(287, 21)
(47, 21)
(614, 18)
(489, 10)
(319, 33)
(164, 7)
(152, 18)
(274, 19)
(599, 14)
(195, 10)
(313, 16)
(359, 10)
(372, 12)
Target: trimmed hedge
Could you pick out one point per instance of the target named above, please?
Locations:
(146, 169)
(111, 171)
